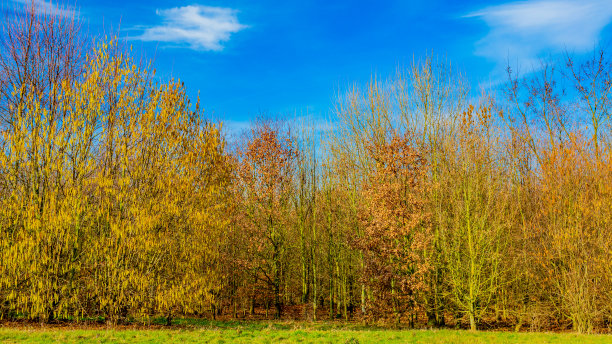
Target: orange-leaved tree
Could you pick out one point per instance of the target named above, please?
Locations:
(396, 227)
(265, 176)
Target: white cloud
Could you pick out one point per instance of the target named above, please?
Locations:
(43, 7)
(199, 27)
(523, 31)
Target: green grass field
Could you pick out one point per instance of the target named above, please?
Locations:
(236, 332)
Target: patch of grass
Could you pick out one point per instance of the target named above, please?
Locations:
(201, 331)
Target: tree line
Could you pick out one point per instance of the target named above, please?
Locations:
(420, 205)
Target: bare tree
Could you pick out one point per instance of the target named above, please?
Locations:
(40, 47)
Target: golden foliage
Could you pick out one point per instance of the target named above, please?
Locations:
(111, 199)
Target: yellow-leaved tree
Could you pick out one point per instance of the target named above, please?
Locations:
(111, 199)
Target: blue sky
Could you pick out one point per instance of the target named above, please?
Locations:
(287, 57)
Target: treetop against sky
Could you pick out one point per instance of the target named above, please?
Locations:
(294, 57)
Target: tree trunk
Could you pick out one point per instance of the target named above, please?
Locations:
(472, 322)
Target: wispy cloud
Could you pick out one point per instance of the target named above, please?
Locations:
(198, 27)
(48, 8)
(523, 31)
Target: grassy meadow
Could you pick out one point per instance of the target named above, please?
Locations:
(277, 332)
